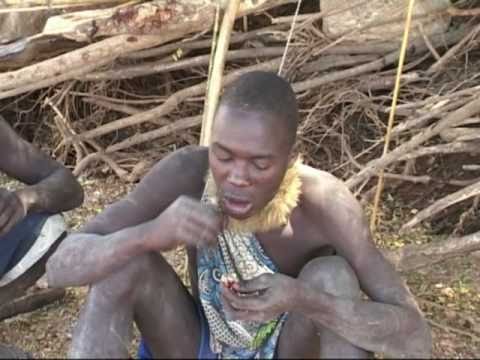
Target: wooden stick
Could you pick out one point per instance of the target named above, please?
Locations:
(439, 205)
(30, 303)
(175, 126)
(216, 75)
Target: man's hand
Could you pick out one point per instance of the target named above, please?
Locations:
(261, 299)
(12, 210)
(185, 222)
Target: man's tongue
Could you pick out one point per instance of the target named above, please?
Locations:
(236, 207)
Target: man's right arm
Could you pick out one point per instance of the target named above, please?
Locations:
(124, 230)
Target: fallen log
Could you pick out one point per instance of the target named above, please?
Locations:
(413, 257)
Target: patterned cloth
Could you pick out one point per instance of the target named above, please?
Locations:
(239, 255)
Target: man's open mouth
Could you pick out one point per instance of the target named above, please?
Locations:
(236, 206)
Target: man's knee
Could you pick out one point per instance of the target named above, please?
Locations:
(331, 274)
(124, 284)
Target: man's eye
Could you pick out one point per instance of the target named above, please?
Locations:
(224, 157)
(261, 165)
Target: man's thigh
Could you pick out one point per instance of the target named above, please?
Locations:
(298, 339)
(167, 315)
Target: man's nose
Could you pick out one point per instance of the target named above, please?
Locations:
(239, 177)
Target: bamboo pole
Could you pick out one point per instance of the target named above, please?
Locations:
(403, 51)
(216, 74)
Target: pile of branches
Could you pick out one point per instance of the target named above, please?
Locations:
(129, 87)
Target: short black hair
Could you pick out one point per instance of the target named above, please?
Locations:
(265, 92)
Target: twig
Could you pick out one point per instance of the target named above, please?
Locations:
(428, 43)
(410, 178)
(125, 109)
(289, 37)
(176, 126)
(67, 131)
(81, 166)
(442, 308)
(375, 83)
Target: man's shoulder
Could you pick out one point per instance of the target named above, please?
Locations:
(188, 158)
(319, 182)
(322, 190)
(189, 163)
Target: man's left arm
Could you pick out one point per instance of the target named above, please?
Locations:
(390, 322)
(50, 186)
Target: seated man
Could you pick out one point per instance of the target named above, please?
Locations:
(51, 188)
(278, 253)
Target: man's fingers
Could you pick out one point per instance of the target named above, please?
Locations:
(260, 283)
(242, 303)
(232, 313)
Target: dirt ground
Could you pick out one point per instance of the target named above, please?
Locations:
(448, 293)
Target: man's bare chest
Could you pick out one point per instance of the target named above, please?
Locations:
(293, 246)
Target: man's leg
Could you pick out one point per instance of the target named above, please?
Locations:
(148, 291)
(300, 337)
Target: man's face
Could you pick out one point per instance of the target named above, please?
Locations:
(248, 159)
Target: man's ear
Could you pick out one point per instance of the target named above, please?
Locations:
(294, 154)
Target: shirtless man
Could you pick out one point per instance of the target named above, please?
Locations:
(309, 252)
(24, 213)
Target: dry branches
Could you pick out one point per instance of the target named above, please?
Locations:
(134, 96)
